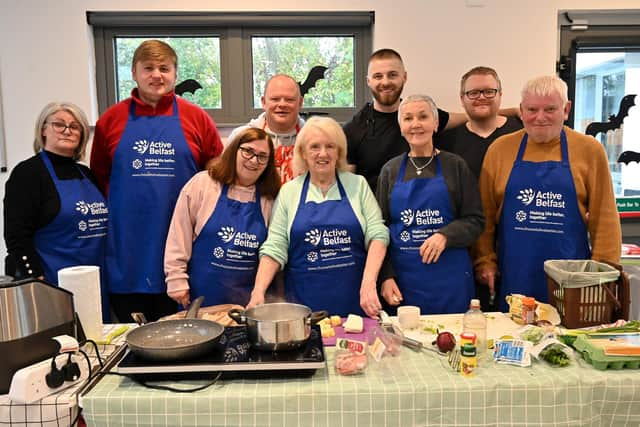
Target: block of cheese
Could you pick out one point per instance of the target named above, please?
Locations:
(336, 320)
(354, 324)
(327, 331)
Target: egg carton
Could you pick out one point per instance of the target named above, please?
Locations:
(595, 356)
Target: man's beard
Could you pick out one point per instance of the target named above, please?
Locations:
(387, 99)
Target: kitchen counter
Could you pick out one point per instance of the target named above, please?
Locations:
(415, 388)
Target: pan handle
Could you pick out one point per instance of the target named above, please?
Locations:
(237, 315)
(192, 313)
(317, 316)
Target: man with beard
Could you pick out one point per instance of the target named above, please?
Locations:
(373, 134)
(480, 94)
(281, 119)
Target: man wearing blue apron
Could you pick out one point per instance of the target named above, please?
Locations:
(326, 255)
(225, 254)
(145, 149)
(77, 235)
(541, 185)
(445, 286)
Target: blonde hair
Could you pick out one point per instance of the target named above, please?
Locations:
(332, 130)
(546, 86)
(78, 115)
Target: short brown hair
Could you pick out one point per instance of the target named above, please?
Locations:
(385, 53)
(223, 168)
(481, 70)
(154, 50)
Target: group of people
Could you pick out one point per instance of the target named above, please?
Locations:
(405, 204)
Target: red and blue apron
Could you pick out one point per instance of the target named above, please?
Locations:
(540, 220)
(326, 255)
(419, 208)
(151, 164)
(224, 259)
(78, 234)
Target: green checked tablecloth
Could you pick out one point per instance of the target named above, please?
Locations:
(414, 389)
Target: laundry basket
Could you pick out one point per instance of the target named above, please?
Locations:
(586, 292)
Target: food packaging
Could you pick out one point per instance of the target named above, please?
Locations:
(513, 352)
(350, 363)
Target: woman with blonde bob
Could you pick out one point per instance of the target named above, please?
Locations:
(54, 215)
(326, 232)
(220, 221)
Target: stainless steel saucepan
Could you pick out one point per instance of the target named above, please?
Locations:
(180, 339)
(277, 326)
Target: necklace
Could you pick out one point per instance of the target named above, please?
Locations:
(421, 168)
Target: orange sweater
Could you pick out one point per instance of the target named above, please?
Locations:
(594, 189)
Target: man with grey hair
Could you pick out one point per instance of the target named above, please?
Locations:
(281, 119)
(547, 194)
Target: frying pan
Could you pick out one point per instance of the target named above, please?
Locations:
(171, 340)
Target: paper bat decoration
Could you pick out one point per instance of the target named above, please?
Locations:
(614, 120)
(628, 156)
(188, 85)
(315, 74)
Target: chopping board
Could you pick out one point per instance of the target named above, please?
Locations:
(369, 324)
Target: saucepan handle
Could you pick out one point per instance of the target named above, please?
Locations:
(317, 316)
(237, 315)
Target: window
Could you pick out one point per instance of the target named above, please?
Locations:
(600, 61)
(233, 54)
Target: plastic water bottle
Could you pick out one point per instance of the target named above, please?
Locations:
(475, 321)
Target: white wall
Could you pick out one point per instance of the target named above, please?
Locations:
(46, 47)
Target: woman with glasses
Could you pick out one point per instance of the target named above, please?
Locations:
(326, 232)
(220, 221)
(54, 215)
(430, 200)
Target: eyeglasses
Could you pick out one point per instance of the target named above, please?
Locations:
(61, 127)
(475, 93)
(248, 154)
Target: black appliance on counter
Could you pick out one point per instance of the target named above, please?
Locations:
(31, 313)
(234, 357)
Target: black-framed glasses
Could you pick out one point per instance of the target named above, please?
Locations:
(475, 93)
(248, 153)
(61, 127)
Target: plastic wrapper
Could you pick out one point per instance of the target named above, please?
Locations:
(350, 363)
(513, 352)
(383, 343)
(553, 352)
(580, 273)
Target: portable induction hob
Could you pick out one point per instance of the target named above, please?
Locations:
(234, 357)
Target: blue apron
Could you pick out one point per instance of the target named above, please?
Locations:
(77, 235)
(540, 220)
(151, 164)
(224, 258)
(326, 255)
(419, 208)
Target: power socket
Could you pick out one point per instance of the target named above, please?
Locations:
(28, 385)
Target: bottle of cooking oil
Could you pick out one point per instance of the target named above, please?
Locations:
(475, 321)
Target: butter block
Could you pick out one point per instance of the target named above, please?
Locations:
(354, 324)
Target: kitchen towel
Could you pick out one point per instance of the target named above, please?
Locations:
(84, 282)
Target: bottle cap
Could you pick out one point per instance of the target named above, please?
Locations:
(468, 336)
(474, 303)
(529, 301)
(468, 350)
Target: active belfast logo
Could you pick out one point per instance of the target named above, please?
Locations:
(226, 234)
(312, 236)
(95, 208)
(541, 199)
(141, 146)
(155, 148)
(526, 196)
(406, 216)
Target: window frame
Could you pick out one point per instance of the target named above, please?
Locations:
(235, 30)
